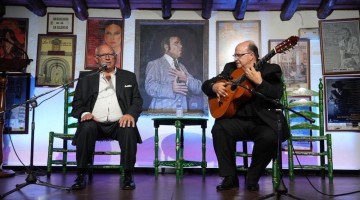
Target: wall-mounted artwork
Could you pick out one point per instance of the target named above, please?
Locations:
(342, 108)
(295, 64)
(300, 145)
(103, 31)
(60, 23)
(171, 63)
(17, 114)
(55, 60)
(231, 33)
(340, 47)
(13, 40)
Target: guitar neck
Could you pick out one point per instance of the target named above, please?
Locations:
(267, 57)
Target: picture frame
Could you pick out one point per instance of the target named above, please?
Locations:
(60, 23)
(295, 64)
(194, 59)
(231, 33)
(17, 115)
(309, 33)
(103, 31)
(342, 108)
(339, 40)
(300, 146)
(55, 63)
(14, 43)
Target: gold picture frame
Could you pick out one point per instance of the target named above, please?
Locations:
(55, 60)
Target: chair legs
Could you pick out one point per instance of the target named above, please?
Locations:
(324, 154)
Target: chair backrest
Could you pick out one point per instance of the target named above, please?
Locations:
(69, 122)
(309, 103)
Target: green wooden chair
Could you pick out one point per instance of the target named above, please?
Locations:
(311, 104)
(66, 148)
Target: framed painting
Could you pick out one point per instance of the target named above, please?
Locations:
(231, 33)
(17, 114)
(13, 38)
(340, 46)
(298, 145)
(342, 108)
(55, 60)
(171, 63)
(58, 23)
(295, 64)
(103, 31)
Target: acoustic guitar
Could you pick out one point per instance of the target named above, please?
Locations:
(239, 91)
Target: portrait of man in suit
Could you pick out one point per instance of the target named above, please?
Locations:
(171, 65)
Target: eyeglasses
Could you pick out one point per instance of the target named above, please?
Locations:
(106, 55)
(239, 55)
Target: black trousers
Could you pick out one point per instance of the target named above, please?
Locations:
(226, 132)
(90, 131)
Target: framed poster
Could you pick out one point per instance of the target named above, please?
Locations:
(295, 64)
(231, 33)
(103, 31)
(171, 63)
(58, 23)
(17, 115)
(342, 108)
(339, 41)
(13, 40)
(298, 145)
(55, 60)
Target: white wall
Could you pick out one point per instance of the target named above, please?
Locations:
(49, 115)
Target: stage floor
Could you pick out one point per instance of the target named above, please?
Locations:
(106, 185)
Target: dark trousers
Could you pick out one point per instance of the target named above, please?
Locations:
(226, 132)
(90, 131)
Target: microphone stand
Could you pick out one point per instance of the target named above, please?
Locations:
(280, 188)
(31, 178)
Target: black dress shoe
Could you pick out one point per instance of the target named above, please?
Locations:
(80, 182)
(228, 183)
(129, 183)
(252, 187)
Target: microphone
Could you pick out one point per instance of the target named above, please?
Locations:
(104, 66)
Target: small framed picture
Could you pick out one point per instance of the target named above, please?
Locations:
(309, 33)
(60, 23)
(17, 114)
(342, 108)
(55, 60)
(295, 64)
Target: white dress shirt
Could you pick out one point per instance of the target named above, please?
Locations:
(107, 108)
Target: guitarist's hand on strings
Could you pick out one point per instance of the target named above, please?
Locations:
(220, 88)
(253, 75)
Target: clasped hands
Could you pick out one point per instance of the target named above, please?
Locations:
(125, 121)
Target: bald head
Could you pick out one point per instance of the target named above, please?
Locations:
(248, 46)
(105, 54)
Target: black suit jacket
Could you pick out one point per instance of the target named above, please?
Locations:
(127, 93)
(271, 87)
